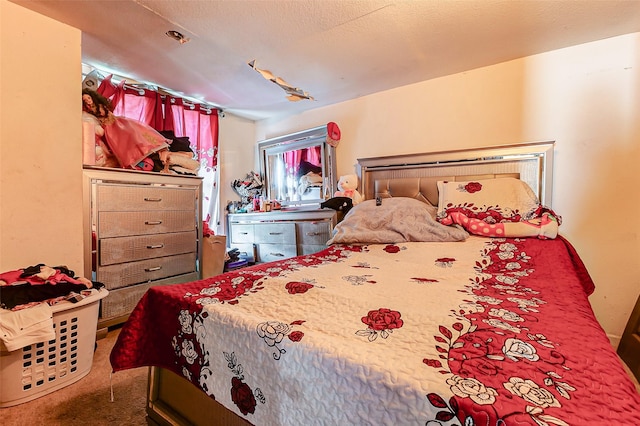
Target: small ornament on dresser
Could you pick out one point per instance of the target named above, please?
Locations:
(249, 188)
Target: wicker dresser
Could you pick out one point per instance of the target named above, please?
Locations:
(141, 229)
(264, 237)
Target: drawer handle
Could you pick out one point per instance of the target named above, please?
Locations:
(275, 233)
(152, 222)
(156, 246)
(277, 254)
(313, 234)
(244, 233)
(157, 268)
(153, 199)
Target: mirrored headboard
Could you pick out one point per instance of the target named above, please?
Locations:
(299, 168)
(532, 162)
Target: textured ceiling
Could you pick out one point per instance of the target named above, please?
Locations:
(334, 50)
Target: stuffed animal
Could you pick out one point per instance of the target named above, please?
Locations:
(347, 187)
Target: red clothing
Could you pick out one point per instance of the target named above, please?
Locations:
(53, 277)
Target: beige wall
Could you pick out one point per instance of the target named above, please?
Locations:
(586, 98)
(40, 141)
(237, 157)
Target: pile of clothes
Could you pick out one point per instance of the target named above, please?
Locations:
(181, 159)
(26, 297)
(178, 159)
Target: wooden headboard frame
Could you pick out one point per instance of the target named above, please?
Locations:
(416, 175)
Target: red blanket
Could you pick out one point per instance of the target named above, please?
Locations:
(485, 332)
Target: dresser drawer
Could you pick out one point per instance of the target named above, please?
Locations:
(310, 249)
(313, 233)
(143, 197)
(271, 252)
(126, 274)
(128, 249)
(241, 233)
(275, 233)
(122, 301)
(121, 224)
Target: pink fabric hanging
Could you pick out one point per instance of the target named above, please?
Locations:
(132, 141)
(138, 107)
(199, 124)
(130, 103)
(110, 91)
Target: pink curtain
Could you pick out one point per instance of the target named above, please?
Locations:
(198, 123)
(137, 104)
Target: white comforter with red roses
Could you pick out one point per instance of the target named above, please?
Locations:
(481, 332)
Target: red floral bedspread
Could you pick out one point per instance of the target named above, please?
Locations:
(481, 332)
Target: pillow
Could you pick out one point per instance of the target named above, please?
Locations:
(490, 200)
(397, 219)
(544, 228)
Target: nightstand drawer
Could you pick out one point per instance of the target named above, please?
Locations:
(271, 252)
(141, 197)
(275, 233)
(241, 233)
(311, 248)
(122, 224)
(128, 249)
(314, 233)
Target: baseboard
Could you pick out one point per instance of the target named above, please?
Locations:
(615, 340)
(101, 333)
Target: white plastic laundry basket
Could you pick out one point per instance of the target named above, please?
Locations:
(39, 369)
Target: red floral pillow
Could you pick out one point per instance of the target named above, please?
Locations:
(490, 200)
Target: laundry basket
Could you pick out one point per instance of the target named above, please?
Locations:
(41, 368)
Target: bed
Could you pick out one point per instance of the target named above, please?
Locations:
(404, 321)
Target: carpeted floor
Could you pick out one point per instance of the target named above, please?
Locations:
(87, 402)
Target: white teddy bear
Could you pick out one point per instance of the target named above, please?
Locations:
(347, 187)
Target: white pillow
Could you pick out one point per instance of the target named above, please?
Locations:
(490, 200)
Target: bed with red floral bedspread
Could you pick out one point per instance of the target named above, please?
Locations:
(479, 332)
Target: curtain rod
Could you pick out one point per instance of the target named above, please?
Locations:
(140, 87)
